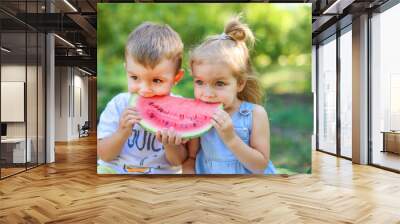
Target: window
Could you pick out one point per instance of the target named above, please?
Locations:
(23, 76)
(327, 95)
(346, 92)
(385, 88)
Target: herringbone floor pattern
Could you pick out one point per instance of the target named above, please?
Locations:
(70, 191)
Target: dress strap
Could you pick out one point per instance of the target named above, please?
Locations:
(246, 112)
(246, 108)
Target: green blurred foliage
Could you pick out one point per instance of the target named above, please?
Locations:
(291, 124)
(281, 56)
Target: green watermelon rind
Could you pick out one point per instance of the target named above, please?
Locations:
(147, 126)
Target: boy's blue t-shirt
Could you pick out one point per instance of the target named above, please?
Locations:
(141, 150)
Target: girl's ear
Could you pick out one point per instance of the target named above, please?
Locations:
(179, 76)
(241, 85)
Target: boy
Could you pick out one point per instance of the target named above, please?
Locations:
(153, 58)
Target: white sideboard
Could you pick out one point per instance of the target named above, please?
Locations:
(19, 149)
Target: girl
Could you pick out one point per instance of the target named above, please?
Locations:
(239, 141)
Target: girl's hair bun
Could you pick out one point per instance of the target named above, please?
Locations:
(239, 31)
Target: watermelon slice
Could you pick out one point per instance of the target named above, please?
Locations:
(190, 118)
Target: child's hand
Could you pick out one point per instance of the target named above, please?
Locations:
(169, 137)
(129, 117)
(175, 150)
(222, 122)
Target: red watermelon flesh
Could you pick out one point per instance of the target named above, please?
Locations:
(190, 118)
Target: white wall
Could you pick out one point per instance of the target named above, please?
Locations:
(61, 103)
(70, 83)
(80, 115)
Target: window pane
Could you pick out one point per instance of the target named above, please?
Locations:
(41, 99)
(327, 96)
(31, 99)
(14, 153)
(345, 94)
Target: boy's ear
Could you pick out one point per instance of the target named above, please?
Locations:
(179, 76)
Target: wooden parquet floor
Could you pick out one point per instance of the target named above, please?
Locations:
(70, 191)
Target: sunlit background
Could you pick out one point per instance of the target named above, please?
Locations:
(281, 57)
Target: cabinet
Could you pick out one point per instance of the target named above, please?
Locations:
(391, 141)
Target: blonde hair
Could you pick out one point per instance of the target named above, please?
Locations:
(149, 43)
(231, 48)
